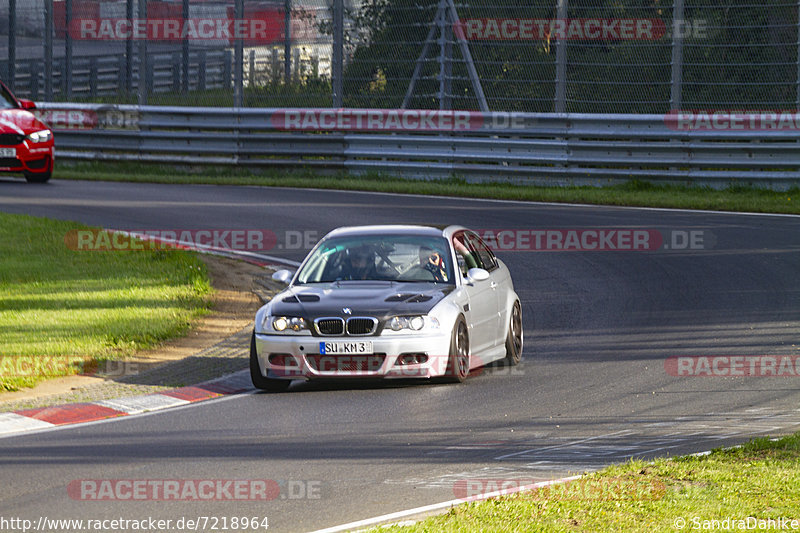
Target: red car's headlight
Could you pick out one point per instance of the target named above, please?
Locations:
(41, 136)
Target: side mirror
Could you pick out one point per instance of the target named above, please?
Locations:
(26, 104)
(477, 274)
(284, 276)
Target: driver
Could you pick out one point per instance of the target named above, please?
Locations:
(360, 264)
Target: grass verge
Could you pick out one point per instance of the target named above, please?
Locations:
(748, 486)
(62, 309)
(633, 193)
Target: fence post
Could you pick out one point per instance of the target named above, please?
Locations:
(48, 50)
(185, 50)
(561, 62)
(445, 55)
(337, 68)
(143, 71)
(12, 44)
(68, 50)
(678, 25)
(128, 88)
(798, 56)
(287, 41)
(238, 68)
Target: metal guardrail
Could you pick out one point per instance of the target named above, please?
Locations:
(535, 148)
(105, 75)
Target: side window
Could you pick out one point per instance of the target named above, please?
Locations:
(486, 258)
(465, 253)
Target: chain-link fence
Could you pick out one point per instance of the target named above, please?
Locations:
(595, 56)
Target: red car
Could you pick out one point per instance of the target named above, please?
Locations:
(26, 143)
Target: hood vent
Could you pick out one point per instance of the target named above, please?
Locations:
(305, 298)
(409, 298)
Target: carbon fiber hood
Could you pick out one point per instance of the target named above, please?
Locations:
(377, 299)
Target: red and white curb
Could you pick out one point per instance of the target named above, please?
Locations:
(77, 413)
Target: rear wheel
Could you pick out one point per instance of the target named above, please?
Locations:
(514, 336)
(259, 381)
(458, 361)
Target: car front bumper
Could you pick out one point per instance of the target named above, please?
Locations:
(385, 361)
(34, 159)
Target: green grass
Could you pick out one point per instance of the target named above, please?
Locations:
(632, 193)
(60, 307)
(758, 481)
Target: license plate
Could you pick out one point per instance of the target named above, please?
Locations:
(8, 152)
(345, 347)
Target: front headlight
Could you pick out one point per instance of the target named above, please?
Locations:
(40, 136)
(285, 324)
(411, 323)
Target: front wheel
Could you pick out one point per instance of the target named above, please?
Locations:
(38, 177)
(514, 336)
(259, 381)
(458, 360)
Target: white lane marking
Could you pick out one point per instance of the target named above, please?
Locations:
(13, 423)
(139, 404)
(565, 445)
(439, 506)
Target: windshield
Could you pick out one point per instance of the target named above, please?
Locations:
(379, 257)
(6, 100)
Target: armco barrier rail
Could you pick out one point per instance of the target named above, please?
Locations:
(536, 148)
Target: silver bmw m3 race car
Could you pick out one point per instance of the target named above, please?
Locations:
(388, 302)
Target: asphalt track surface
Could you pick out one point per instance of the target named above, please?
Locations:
(592, 388)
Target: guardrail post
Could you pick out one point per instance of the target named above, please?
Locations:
(337, 68)
(93, 76)
(560, 104)
(33, 72)
(201, 71)
(678, 25)
(226, 69)
(252, 72)
(48, 49)
(176, 72)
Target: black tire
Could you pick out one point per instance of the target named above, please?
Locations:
(259, 381)
(514, 336)
(38, 177)
(458, 360)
